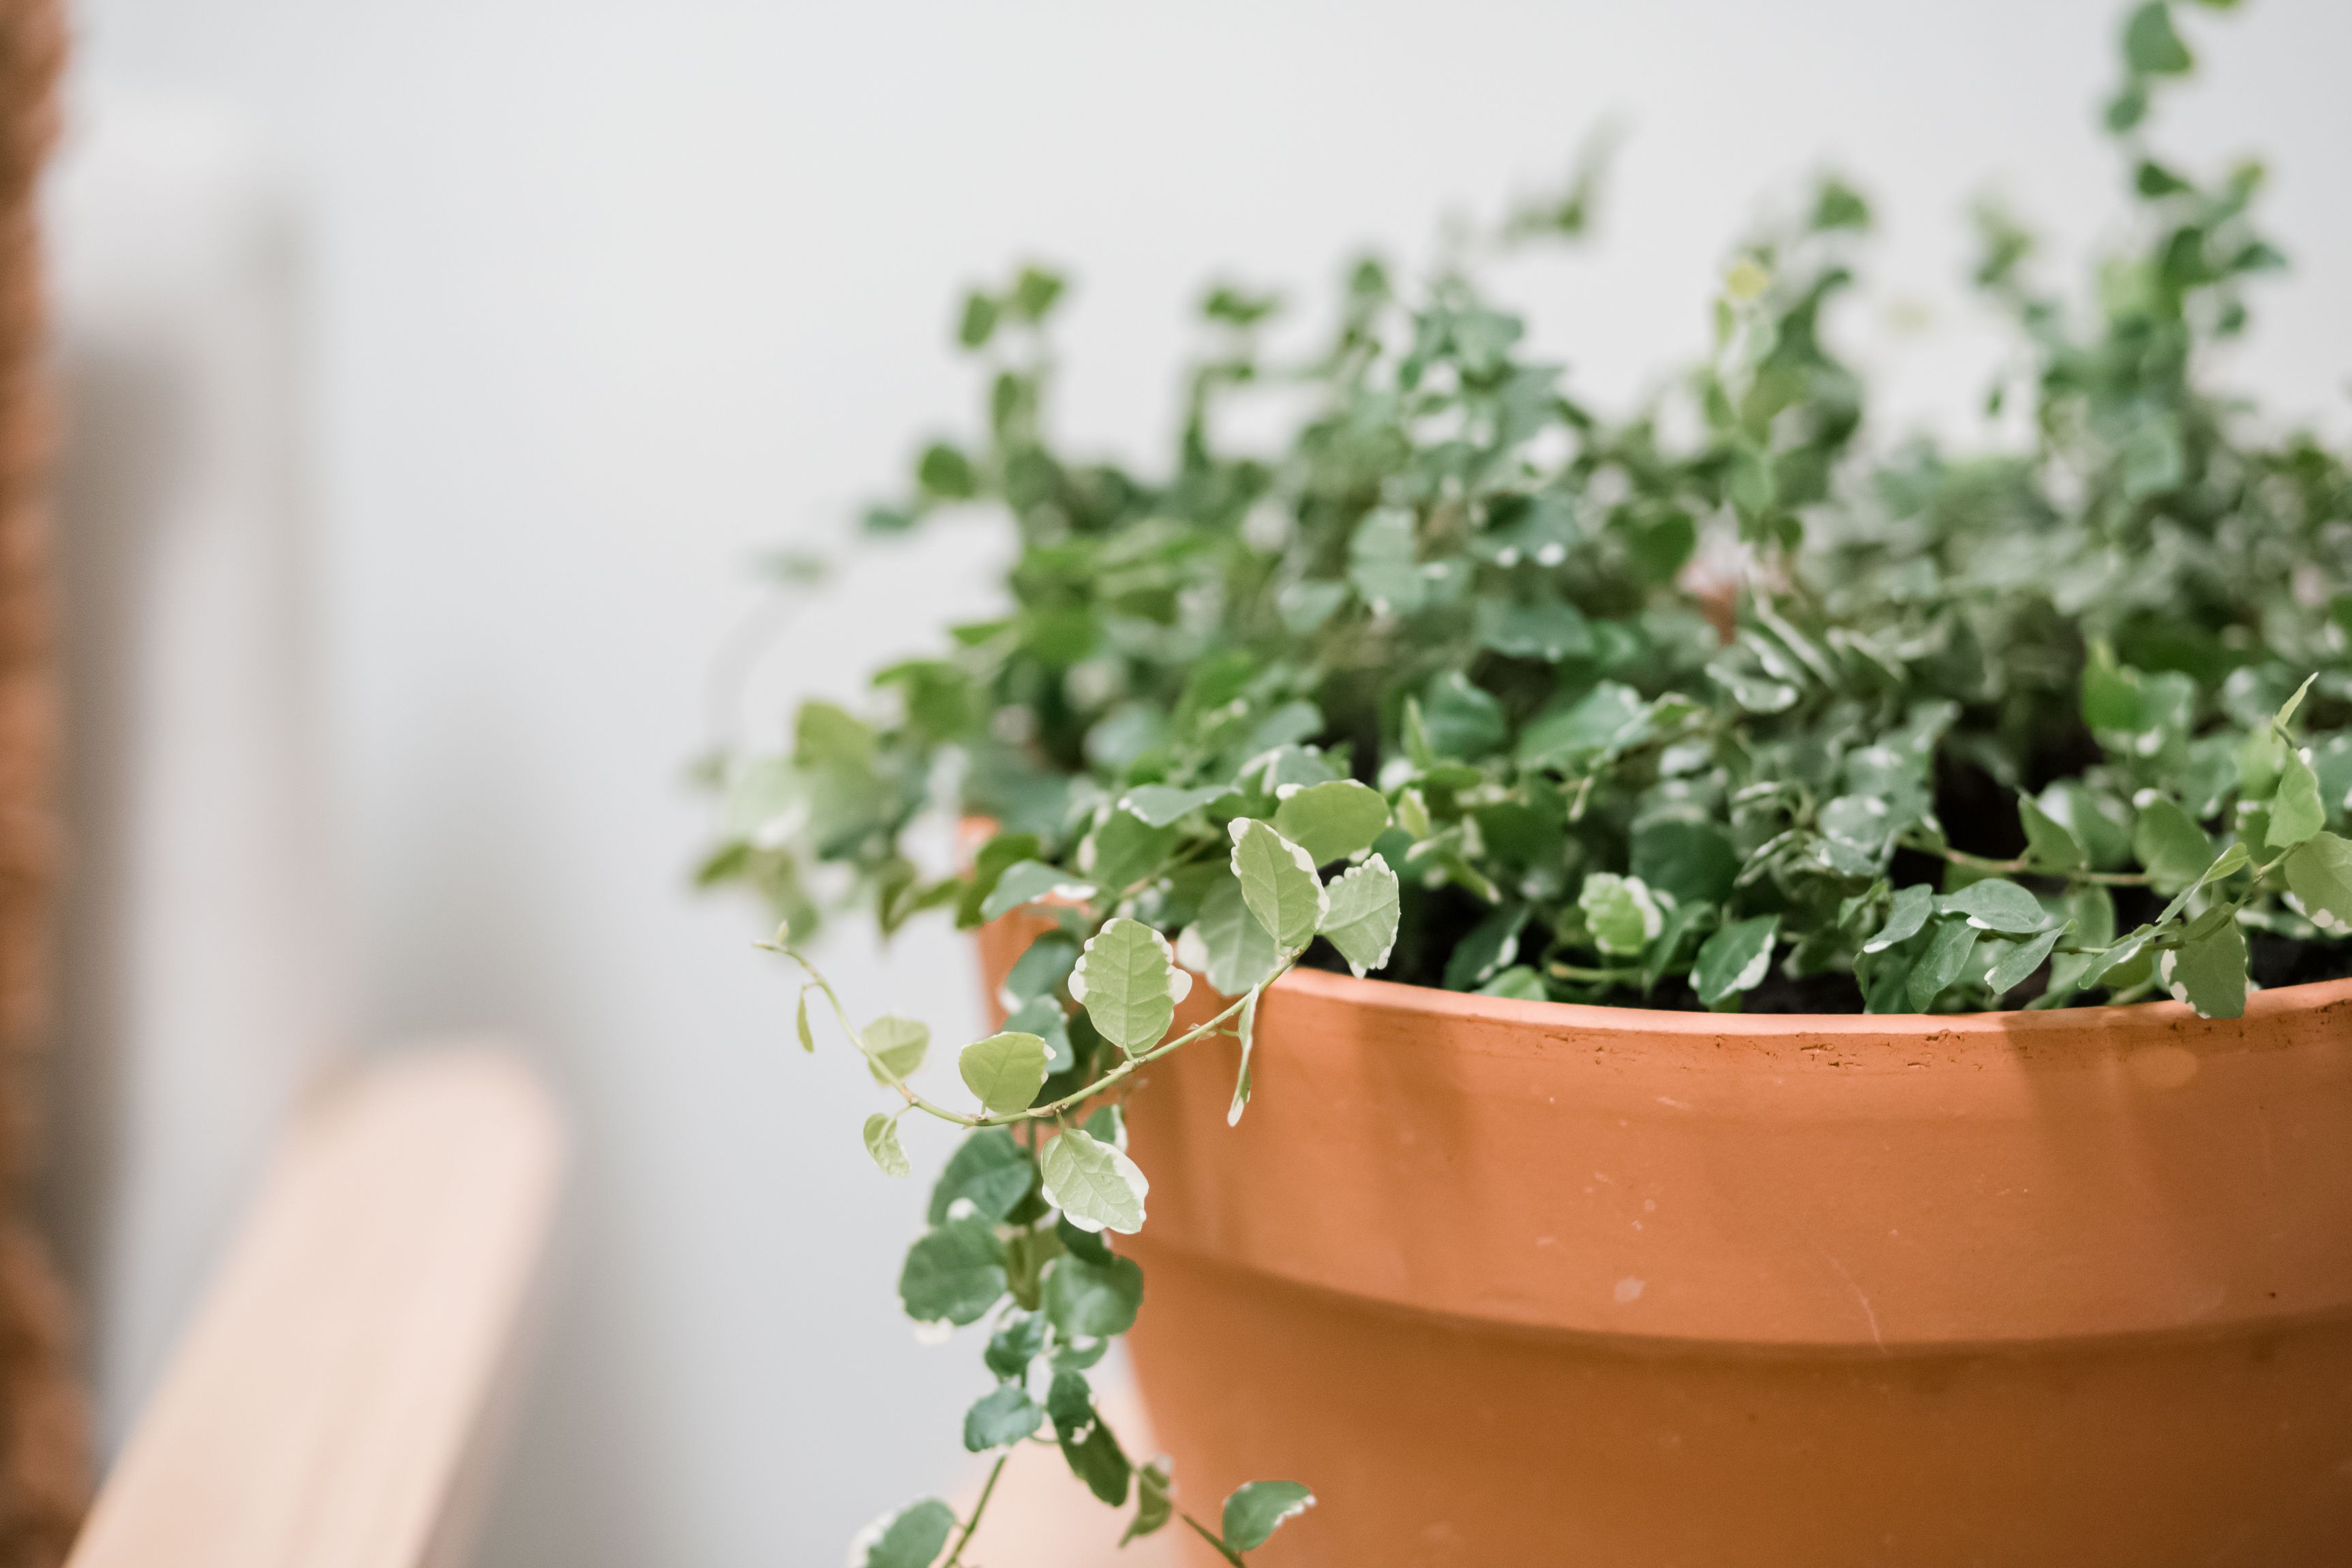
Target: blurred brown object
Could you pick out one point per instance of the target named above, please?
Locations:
(43, 1456)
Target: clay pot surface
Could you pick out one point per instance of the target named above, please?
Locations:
(1523, 1283)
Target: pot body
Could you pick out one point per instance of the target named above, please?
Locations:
(1520, 1283)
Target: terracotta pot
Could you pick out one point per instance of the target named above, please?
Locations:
(1518, 1283)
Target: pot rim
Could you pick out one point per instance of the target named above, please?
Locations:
(2009, 1026)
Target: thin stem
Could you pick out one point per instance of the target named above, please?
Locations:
(1215, 1540)
(986, 1492)
(1593, 976)
(1036, 1112)
(1982, 863)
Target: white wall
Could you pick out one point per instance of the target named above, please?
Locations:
(612, 296)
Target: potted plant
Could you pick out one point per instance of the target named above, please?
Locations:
(1859, 1067)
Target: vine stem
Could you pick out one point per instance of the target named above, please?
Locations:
(1984, 863)
(1037, 1113)
(1215, 1540)
(955, 1558)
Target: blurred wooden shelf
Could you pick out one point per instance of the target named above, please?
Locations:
(336, 1398)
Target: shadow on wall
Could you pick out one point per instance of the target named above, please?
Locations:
(202, 955)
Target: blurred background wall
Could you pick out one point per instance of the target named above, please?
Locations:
(584, 305)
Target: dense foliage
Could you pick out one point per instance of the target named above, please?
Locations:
(1579, 708)
(2055, 667)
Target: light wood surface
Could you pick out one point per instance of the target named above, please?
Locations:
(331, 1403)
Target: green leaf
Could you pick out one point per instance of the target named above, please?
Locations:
(1692, 860)
(945, 473)
(1948, 955)
(1094, 1182)
(2319, 873)
(2021, 961)
(1997, 904)
(1004, 1071)
(990, 1170)
(1162, 806)
(1608, 716)
(1044, 964)
(1128, 982)
(1906, 918)
(895, 1048)
(1620, 913)
(2151, 45)
(2167, 842)
(1279, 883)
(1735, 959)
(989, 866)
(1085, 1299)
(1155, 1502)
(1001, 1418)
(1361, 915)
(1305, 607)
(912, 1538)
(1043, 1016)
(1382, 565)
(2295, 810)
(1547, 630)
(2048, 842)
(1456, 718)
(801, 1024)
(1123, 851)
(2227, 864)
(882, 1143)
(2208, 971)
(1093, 1454)
(1029, 881)
(1015, 1344)
(954, 1274)
(826, 732)
(1332, 821)
(1225, 944)
(978, 323)
(1258, 1509)
(1096, 1459)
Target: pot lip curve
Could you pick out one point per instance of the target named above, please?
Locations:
(2014, 1026)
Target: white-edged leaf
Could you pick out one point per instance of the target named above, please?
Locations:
(1027, 881)
(1332, 821)
(1361, 914)
(1256, 1510)
(1907, 917)
(912, 1538)
(882, 1143)
(1279, 883)
(1006, 1070)
(2020, 961)
(1162, 805)
(895, 1047)
(1226, 942)
(1997, 904)
(2208, 973)
(1621, 913)
(2319, 873)
(1735, 959)
(1128, 982)
(1095, 1185)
